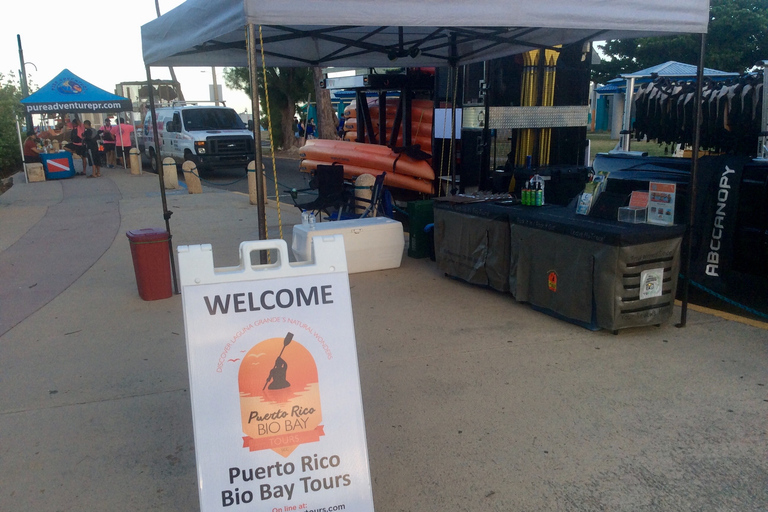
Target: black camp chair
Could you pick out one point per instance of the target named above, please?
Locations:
(332, 196)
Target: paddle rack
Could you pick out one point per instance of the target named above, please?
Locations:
(406, 84)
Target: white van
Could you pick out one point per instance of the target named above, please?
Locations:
(212, 137)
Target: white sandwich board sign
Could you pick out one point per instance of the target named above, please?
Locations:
(274, 381)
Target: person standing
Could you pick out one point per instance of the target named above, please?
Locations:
(91, 145)
(76, 143)
(108, 136)
(56, 133)
(123, 133)
(310, 129)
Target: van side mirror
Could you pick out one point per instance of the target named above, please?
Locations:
(250, 125)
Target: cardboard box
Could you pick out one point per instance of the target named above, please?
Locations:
(35, 172)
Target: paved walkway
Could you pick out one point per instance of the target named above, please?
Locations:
(472, 401)
(80, 223)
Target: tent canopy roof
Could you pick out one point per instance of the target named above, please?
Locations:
(67, 92)
(370, 33)
(670, 69)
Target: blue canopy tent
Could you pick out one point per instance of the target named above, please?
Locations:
(68, 93)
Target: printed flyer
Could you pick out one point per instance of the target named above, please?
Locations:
(275, 392)
(661, 203)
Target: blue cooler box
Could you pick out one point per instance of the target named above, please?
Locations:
(58, 165)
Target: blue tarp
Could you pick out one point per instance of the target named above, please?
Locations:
(70, 93)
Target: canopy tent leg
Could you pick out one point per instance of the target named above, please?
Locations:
(253, 68)
(694, 171)
(166, 212)
(21, 147)
(626, 124)
(455, 76)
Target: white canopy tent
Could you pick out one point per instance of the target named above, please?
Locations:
(369, 33)
(404, 33)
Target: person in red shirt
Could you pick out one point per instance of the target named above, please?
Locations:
(31, 151)
(123, 141)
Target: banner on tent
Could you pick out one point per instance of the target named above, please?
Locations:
(274, 381)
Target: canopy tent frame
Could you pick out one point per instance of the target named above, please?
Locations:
(349, 47)
(430, 33)
(67, 93)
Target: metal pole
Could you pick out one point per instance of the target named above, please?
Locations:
(24, 85)
(215, 86)
(454, 75)
(21, 148)
(626, 127)
(454, 78)
(260, 206)
(762, 148)
(692, 186)
(166, 212)
(485, 160)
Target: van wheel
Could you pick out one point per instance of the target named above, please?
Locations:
(153, 160)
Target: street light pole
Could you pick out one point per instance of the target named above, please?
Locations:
(23, 79)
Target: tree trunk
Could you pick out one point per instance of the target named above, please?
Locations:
(326, 118)
(287, 114)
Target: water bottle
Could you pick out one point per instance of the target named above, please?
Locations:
(311, 221)
(304, 217)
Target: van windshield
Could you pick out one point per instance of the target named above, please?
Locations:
(212, 119)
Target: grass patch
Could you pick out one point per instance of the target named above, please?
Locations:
(601, 142)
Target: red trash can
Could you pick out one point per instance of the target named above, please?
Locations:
(151, 262)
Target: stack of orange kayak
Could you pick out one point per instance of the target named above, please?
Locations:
(422, 114)
(357, 158)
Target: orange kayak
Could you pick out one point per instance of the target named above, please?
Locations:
(425, 143)
(370, 156)
(390, 180)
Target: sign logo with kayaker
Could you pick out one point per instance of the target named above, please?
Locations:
(69, 86)
(279, 396)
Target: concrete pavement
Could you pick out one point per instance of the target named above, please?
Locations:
(472, 401)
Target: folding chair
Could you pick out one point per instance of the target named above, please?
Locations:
(331, 193)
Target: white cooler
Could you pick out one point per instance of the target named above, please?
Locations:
(373, 243)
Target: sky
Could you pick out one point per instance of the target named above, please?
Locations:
(99, 41)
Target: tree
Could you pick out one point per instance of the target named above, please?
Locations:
(326, 121)
(737, 38)
(10, 110)
(287, 86)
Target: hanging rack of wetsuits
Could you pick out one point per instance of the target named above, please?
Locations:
(731, 112)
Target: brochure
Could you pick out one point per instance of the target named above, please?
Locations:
(661, 203)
